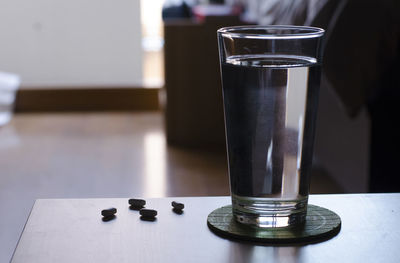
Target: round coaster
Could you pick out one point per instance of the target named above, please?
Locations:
(321, 224)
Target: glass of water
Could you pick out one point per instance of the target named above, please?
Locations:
(270, 83)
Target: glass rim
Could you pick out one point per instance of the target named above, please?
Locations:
(237, 32)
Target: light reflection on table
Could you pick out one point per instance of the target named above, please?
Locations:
(155, 164)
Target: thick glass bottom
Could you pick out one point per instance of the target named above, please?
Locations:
(269, 212)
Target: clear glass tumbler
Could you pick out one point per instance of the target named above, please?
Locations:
(270, 83)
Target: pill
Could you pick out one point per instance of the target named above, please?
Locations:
(149, 219)
(137, 202)
(108, 218)
(178, 206)
(109, 212)
(177, 211)
(148, 212)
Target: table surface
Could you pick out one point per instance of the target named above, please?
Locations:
(71, 230)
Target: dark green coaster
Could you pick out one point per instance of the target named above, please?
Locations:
(321, 224)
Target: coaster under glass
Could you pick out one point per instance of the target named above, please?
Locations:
(321, 224)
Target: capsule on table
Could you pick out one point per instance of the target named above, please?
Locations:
(178, 206)
(109, 212)
(137, 202)
(148, 212)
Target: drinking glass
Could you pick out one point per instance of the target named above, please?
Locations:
(270, 82)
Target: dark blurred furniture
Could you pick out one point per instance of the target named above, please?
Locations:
(194, 111)
(360, 65)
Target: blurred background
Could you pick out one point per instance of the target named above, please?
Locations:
(123, 98)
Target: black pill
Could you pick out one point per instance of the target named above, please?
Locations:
(177, 211)
(109, 212)
(136, 208)
(149, 219)
(178, 206)
(108, 218)
(137, 202)
(148, 212)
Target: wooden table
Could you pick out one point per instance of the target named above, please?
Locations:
(71, 230)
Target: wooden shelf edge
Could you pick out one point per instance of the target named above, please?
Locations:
(87, 99)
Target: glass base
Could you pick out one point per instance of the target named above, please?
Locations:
(269, 212)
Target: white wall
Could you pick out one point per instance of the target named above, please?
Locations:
(71, 42)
